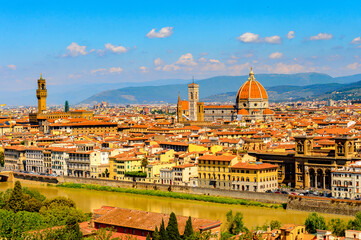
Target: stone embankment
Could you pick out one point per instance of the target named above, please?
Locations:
(324, 205)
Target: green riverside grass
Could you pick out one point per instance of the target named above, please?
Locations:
(158, 193)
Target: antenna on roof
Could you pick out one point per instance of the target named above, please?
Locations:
(193, 78)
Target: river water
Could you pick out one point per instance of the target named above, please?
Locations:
(87, 200)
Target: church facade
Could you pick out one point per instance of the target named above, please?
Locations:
(251, 104)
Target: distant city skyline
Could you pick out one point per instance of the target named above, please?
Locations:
(112, 41)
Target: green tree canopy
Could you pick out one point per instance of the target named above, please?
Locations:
(235, 223)
(314, 222)
(188, 231)
(337, 226)
(274, 224)
(162, 231)
(355, 224)
(16, 200)
(172, 228)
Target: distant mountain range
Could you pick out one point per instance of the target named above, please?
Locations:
(333, 91)
(280, 87)
(74, 93)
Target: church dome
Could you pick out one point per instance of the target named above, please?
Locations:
(242, 112)
(251, 89)
(267, 111)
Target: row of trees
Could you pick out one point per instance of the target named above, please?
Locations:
(338, 226)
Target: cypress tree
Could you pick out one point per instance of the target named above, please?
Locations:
(16, 200)
(148, 237)
(172, 228)
(162, 232)
(66, 108)
(155, 234)
(188, 231)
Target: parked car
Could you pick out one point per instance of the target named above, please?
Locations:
(277, 192)
(293, 193)
(269, 191)
(284, 192)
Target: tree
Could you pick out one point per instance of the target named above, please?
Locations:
(144, 163)
(66, 106)
(274, 224)
(16, 201)
(148, 237)
(235, 223)
(314, 222)
(188, 231)
(172, 228)
(106, 173)
(162, 231)
(72, 229)
(156, 235)
(337, 226)
(1, 159)
(355, 224)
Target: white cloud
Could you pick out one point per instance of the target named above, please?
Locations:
(321, 36)
(276, 55)
(214, 61)
(100, 70)
(11, 66)
(353, 66)
(115, 49)
(290, 34)
(254, 38)
(239, 68)
(248, 37)
(143, 69)
(356, 40)
(115, 70)
(74, 50)
(288, 68)
(273, 39)
(163, 33)
(187, 60)
(158, 62)
(103, 71)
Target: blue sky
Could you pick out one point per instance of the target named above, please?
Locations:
(125, 41)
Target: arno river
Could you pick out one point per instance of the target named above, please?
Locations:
(88, 200)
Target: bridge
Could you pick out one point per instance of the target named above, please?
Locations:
(8, 176)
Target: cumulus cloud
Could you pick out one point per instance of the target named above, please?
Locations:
(115, 49)
(322, 36)
(353, 66)
(356, 40)
(158, 62)
(288, 68)
(143, 69)
(248, 37)
(254, 38)
(290, 34)
(115, 70)
(239, 68)
(103, 71)
(187, 60)
(163, 33)
(273, 39)
(276, 55)
(11, 66)
(74, 50)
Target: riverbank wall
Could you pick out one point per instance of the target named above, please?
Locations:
(324, 205)
(253, 196)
